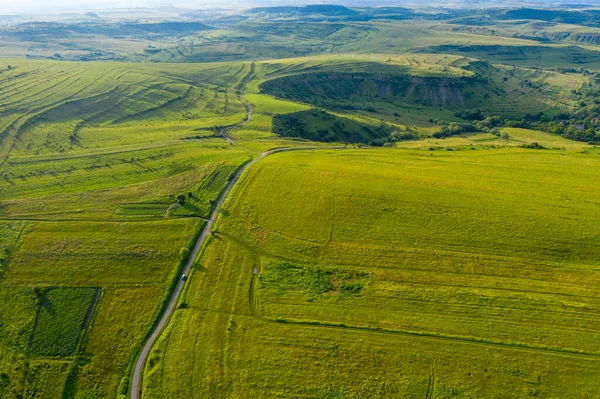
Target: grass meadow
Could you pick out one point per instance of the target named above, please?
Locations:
(375, 276)
(395, 273)
(47, 378)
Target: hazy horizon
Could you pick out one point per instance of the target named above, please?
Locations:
(44, 6)
(41, 6)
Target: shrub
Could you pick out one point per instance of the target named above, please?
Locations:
(184, 253)
(351, 288)
(534, 145)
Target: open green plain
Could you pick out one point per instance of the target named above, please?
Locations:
(463, 265)
(394, 273)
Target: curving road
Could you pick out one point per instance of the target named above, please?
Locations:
(136, 382)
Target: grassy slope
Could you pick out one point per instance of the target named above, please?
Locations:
(412, 91)
(316, 125)
(92, 159)
(519, 271)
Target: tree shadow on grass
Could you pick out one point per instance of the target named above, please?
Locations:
(188, 209)
(43, 301)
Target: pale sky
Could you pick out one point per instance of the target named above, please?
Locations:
(35, 6)
(43, 6)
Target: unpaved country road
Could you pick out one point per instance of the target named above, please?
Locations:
(136, 382)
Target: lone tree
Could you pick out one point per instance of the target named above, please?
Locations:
(181, 199)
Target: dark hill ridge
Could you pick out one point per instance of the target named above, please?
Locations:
(323, 88)
(587, 17)
(530, 54)
(39, 31)
(169, 27)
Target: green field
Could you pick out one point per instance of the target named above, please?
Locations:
(352, 284)
(47, 378)
(447, 247)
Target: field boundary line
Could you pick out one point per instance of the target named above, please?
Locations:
(133, 219)
(425, 335)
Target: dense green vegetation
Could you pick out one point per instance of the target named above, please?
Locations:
(317, 125)
(283, 278)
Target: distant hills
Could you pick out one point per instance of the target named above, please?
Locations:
(584, 17)
(327, 9)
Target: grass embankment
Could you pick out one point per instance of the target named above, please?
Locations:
(316, 125)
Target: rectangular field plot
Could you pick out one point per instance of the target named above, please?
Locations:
(122, 319)
(60, 320)
(101, 253)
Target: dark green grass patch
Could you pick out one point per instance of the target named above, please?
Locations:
(316, 125)
(61, 316)
(283, 277)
